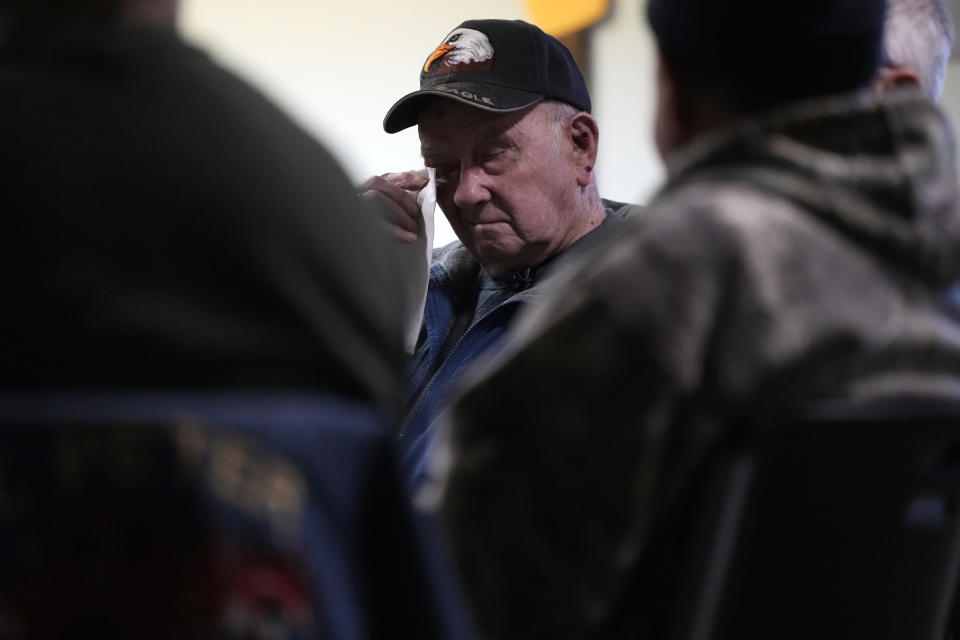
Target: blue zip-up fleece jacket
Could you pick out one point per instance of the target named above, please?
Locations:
(438, 361)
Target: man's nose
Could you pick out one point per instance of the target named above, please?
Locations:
(472, 189)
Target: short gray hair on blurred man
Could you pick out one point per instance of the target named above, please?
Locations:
(918, 37)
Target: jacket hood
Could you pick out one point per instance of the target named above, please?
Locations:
(883, 171)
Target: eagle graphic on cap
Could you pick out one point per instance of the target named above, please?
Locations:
(462, 50)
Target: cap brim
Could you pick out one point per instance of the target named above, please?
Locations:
(405, 111)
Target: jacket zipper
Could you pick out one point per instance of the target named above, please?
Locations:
(433, 380)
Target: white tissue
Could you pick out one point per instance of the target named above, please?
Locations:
(419, 272)
(427, 199)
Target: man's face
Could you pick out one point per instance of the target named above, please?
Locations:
(506, 182)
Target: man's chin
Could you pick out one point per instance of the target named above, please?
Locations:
(496, 264)
(495, 258)
(498, 260)
(500, 264)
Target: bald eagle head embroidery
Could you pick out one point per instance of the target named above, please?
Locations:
(462, 50)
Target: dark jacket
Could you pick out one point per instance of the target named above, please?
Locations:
(789, 258)
(167, 226)
(439, 360)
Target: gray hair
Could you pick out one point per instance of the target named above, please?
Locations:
(558, 113)
(919, 35)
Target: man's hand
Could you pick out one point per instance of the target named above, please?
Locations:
(390, 195)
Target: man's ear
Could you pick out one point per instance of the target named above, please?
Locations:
(585, 135)
(895, 77)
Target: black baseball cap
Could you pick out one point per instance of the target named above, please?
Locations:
(494, 65)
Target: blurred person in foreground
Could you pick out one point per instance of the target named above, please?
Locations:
(799, 250)
(504, 119)
(168, 227)
(171, 235)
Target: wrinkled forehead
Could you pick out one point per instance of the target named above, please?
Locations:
(441, 118)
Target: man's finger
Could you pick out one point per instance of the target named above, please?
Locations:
(411, 180)
(391, 211)
(399, 195)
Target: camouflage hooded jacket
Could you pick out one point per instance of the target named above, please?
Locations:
(798, 256)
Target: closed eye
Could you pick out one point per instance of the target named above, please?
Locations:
(495, 160)
(444, 172)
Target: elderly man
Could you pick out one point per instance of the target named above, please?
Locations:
(504, 120)
(799, 250)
